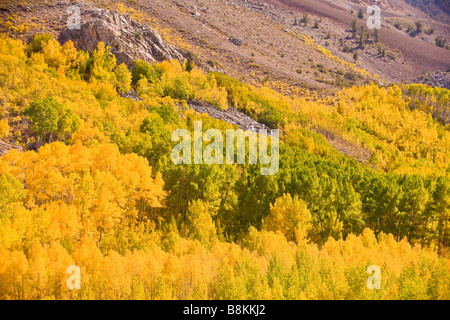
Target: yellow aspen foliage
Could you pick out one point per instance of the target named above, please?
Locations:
(123, 78)
(13, 269)
(122, 182)
(58, 261)
(108, 199)
(53, 55)
(4, 128)
(64, 222)
(114, 268)
(37, 271)
(202, 226)
(89, 134)
(290, 216)
(12, 193)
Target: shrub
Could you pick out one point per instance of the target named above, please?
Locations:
(347, 49)
(189, 66)
(123, 78)
(350, 76)
(354, 28)
(38, 42)
(360, 14)
(419, 27)
(440, 42)
(143, 70)
(305, 19)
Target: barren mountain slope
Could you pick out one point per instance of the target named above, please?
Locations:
(271, 48)
(267, 44)
(418, 52)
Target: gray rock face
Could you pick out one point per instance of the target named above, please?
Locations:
(437, 79)
(128, 39)
(236, 42)
(5, 147)
(230, 115)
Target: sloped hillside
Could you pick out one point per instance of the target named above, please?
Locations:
(101, 131)
(436, 9)
(129, 40)
(409, 52)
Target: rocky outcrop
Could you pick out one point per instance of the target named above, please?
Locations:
(128, 39)
(5, 147)
(130, 95)
(236, 42)
(345, 147)
(438, 79)
(230, 115)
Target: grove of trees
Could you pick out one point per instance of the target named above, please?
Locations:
(98, 188)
